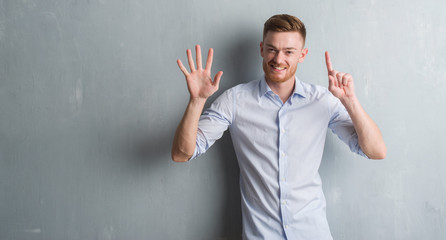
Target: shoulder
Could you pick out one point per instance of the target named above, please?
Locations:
(241, 89)
(249, 86)
(225, 103)
(314, 92)
(244, 89)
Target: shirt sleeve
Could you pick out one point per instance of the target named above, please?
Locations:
(341, 124)
(214, 122)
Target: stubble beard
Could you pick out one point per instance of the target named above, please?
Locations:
(270, 76)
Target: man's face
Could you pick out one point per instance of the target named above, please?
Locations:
(281, 52)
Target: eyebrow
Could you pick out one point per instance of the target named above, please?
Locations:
(288, 48)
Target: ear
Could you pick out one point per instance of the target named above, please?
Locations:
(303, 54)
(261, 49)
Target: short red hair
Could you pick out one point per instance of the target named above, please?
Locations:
(284, 23)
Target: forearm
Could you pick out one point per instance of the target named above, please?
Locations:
(369, 136)
(186, 134)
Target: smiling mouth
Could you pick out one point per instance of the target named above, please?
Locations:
(278, 68)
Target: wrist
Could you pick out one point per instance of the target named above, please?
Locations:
(197, 101)
(350, 102)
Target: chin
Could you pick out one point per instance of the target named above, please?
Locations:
(279, 79)
(276, 79)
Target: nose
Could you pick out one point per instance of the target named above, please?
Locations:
(279, 57)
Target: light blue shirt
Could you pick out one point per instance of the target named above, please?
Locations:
(279, 148)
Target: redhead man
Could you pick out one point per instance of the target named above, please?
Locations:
(278, 126)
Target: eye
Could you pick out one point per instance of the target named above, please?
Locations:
(272, 50)
(289, 52)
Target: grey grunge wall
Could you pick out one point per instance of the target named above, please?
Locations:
(90, 96)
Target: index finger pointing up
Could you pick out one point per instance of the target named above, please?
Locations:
(328, 62)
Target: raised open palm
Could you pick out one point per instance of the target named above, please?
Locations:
(199, 81)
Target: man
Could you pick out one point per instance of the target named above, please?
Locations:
(278, 126)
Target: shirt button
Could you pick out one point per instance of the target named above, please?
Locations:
(283, 154)
(286, 226)
(283, 130)
(283, 202)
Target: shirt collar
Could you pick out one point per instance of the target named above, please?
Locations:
(298, 88)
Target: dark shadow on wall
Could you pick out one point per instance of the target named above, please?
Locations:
(148, 148)
(141, 154)
(232, 215)
(145, 147)
(241, 59)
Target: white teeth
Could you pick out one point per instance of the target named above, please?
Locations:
(279, 68)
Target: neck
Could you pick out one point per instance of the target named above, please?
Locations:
(282, 89)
